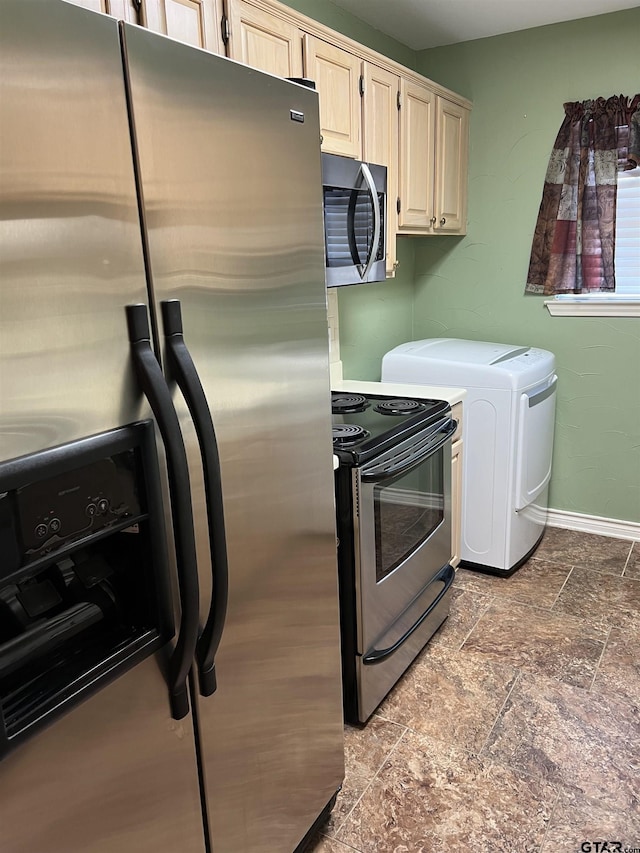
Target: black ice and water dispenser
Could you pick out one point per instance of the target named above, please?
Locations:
(84, 588)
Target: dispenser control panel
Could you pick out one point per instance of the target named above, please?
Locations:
(67, 495)
(77, 502)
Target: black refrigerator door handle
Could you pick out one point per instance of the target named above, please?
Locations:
(185, 373)
(157, 392)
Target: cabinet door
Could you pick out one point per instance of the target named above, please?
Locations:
(456, 501)
(195, 22)
(94, 5)
(380, 141)
(452, 143)
(337, 77)
(264, 41)
(124, 10)
(416, 157)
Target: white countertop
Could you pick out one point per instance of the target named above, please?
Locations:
(397, 389)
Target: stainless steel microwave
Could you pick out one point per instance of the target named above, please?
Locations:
(354, 197)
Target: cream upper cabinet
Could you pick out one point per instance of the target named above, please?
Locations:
(380, 140)
(417, 126)
(195, 22)
(452, 154)
(336, 74)
(434, 134)
(264, 41)
(423, 144)
(124, 10)
(94, 5)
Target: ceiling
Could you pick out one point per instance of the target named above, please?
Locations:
(421, 24)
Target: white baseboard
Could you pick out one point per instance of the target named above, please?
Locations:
(594, 524)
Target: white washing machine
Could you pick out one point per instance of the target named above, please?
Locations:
(508, 422)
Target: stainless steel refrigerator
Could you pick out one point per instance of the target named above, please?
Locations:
(169, 629)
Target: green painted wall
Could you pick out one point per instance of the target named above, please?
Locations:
(374, 318)
(473, 287)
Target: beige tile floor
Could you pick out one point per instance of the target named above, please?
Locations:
(517, 729)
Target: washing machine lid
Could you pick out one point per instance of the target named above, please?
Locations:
(467, 364)
(463, 352)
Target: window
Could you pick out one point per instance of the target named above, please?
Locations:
(625, 301)
(628, 234)
(586, 244)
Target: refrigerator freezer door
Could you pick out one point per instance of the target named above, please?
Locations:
(70, 252)
(233, 210)
(116, 773)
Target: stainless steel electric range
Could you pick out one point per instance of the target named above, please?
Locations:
(393, 506)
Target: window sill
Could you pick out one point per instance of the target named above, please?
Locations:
(590, 307)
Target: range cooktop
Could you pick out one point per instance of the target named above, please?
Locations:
(366, 424)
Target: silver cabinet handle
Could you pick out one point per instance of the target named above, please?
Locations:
(376, 218)
(443, 221)
(433, 220)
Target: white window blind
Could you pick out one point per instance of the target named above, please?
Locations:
(627, 252)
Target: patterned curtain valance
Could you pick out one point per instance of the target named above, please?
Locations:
(574, 239)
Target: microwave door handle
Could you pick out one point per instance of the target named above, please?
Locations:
(156, 390)
(366, 172)
(351, 228)
(185, 372)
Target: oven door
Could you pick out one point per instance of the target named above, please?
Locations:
(402, 515)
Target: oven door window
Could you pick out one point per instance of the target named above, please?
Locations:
(348, 227)
(407, 510)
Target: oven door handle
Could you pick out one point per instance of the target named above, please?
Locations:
(446, 575)
(439, 435)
